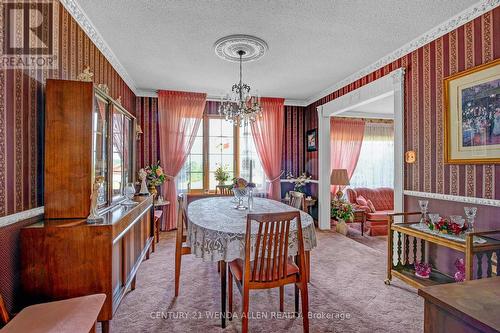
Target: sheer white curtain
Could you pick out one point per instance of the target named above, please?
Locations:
(375, 166)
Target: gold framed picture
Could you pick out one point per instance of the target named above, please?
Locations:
(472, 115)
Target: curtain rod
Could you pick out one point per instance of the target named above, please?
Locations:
(368, 120)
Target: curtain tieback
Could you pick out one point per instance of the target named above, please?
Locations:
(275, 179)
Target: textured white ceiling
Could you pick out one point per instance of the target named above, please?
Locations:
(313, 44)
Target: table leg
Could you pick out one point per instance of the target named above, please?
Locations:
(362, 227)
(223, 269)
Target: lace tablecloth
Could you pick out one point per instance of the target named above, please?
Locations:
(459, 238)
(216, 230)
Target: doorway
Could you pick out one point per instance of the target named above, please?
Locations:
(388, 88)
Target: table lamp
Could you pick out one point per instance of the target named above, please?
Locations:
(340, 178)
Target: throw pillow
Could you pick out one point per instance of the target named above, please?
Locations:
(370, 204)
(361, 201)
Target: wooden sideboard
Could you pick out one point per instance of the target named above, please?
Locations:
(471, 306)
(69, 258)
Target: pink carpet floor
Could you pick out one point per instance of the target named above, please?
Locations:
(346, 294)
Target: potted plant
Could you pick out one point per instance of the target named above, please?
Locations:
(155, 177)
(342, 212)
(221, 175)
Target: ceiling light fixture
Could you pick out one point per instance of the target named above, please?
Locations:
(240, 106)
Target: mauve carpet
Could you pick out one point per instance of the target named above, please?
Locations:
(346, 294)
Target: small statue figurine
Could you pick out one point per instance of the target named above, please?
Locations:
(94, 198)
(86, 75)
(144, 187)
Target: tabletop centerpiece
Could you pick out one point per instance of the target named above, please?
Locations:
(241, 189)
(453, 225)
(342, 212)
(155, 177)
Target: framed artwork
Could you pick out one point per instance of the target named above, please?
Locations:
(312, 140)
(472, 115)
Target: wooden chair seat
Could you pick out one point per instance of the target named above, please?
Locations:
(71, 315)
(238, 266)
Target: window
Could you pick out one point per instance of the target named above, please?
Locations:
(375, 166)
(191, 175)
(221, 148)
(219, 143)
(248, 155)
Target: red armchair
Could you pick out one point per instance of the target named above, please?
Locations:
(383, 202)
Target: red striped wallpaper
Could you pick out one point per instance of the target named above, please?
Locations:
(21, 133)
(22, 107)
(474, 43)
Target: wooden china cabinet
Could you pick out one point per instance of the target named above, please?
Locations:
(87, 135)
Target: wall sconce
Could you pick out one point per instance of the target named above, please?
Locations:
(410, 156)
(138, 131)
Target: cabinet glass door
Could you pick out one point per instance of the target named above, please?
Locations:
(118, 183)
(99, 146)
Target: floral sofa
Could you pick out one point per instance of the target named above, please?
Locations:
(382, 200)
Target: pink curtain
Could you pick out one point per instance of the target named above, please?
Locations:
(179, 116)
(346, 137)
(267, 132)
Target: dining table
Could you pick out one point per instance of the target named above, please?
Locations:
(216, 232)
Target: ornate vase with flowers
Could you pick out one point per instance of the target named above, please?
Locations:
(155, 177)
(342, 212)
(221, 175)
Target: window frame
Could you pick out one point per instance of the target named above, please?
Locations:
(206, 152)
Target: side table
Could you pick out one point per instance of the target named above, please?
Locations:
(163, 206)
(359, 216)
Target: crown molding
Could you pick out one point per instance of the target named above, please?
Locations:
(458, 20)
(456, 198)
(86, 24)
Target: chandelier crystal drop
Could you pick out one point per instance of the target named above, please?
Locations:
(239, 106)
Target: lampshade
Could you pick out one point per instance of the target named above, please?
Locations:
(339, 177)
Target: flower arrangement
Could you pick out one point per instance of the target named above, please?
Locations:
(155, 175)
(300, 181)
(460, 273)
(422, 269)
(446, 226)
(221, 174)
(341, 210)
(241, 183)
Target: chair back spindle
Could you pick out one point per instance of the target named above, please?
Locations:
(297, 199)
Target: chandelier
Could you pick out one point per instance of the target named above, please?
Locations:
(240, 106)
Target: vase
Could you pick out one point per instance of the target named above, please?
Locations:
(341, 227)
(153, 191)
(222, 183)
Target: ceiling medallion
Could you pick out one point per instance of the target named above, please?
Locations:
(228, 48)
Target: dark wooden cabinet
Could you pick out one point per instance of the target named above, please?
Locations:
(69, 258)
(87, 134)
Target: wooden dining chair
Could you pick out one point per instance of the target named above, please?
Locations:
(271, 267)
(224, 189)
(4, 314)
(180, 247)
(297, 200)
